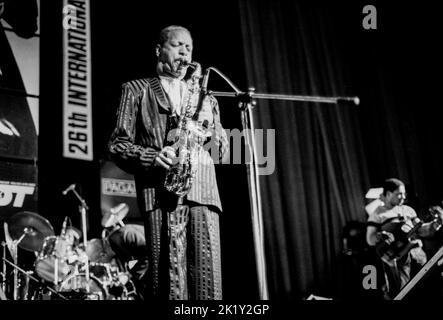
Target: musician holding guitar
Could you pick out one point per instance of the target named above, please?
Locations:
(395, 231)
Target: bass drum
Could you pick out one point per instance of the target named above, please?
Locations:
(74, 288)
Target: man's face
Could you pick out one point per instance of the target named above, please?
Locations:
(172, 54)
(397, 197)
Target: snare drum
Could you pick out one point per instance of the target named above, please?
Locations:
(54, 256)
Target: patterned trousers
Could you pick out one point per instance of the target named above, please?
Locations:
(184, 254)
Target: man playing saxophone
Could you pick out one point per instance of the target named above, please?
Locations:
(182, 230)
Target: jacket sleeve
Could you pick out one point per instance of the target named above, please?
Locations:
(122, 147)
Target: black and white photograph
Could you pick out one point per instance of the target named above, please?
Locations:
(217, 159)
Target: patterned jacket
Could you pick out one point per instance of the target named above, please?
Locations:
(144, 119)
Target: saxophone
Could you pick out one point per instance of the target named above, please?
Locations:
(188, 139)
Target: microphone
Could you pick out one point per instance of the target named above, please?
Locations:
(71, 187)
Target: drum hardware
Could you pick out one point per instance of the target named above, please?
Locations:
(28, 273)
(116, 283)
(103, 265)
(26, 230)
(71, 270)
(76, 287)
(29, 276)
(3, 286)
(15, 243)
(83, 211)
(2, 295)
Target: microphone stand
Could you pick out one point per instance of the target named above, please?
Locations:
(83, 210)
(246, 103)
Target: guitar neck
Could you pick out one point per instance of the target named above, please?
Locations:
(414, 229)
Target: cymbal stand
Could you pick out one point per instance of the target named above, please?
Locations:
(15, 244)
(56, 271)
(83, 207)
(16, 267)
(4, 267)
(14, 252)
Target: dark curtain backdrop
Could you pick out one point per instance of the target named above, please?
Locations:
(328, 156)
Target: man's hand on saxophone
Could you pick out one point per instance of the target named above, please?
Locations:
(165, 157)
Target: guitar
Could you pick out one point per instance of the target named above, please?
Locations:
(404, 236)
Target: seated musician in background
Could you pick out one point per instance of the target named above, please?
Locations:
(392, 227)
(128, 242)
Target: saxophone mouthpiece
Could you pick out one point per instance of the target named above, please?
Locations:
(192, 64)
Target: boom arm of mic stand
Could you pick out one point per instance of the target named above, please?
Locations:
(254, 95)
(245, 96)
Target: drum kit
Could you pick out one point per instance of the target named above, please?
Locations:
(63, 268)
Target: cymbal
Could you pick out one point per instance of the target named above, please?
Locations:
(34, 226)
(115, 215)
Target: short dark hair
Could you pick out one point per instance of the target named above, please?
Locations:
(164, 33)
(391, 185)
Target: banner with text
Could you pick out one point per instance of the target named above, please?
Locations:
(77, 113)
(118, 187)
(18, 188)
(19, 80)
